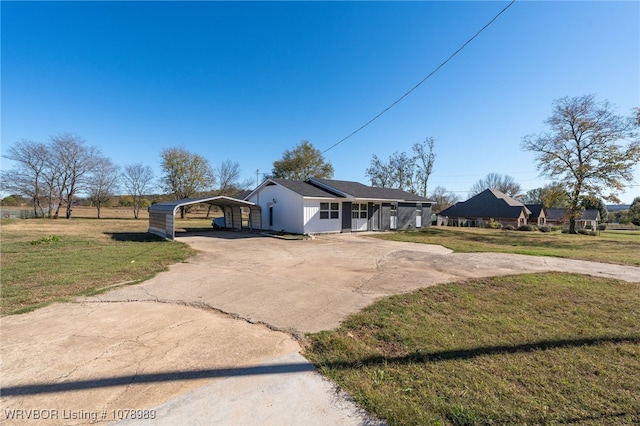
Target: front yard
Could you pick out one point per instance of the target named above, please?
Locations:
(611, 246)
(528, 349)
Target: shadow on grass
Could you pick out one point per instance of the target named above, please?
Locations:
(463, 354)
(138, 237)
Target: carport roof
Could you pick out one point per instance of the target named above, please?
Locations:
(221, 200)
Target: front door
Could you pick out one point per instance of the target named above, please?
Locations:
(393, 217)
(375, 217)
(358, 217)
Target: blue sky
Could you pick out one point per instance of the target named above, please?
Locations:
(244, 81)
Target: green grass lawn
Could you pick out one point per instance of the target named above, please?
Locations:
(51, 260)
(528, 349)
(621, 247)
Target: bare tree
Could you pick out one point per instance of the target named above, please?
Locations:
(505, 184)
(442, 198)
(589, 149)
(27, 178)
(76, 161)
(185, 174)
(228, 177)
(402, 171)
(137, 180)
(379, 173)
(102, 183)
(424, 157)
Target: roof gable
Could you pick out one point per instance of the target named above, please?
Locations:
(488, 203)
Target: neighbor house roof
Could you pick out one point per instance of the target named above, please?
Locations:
(536, 209)
(488, 203)
(556, 215)
(359, 190)
(559, 215)
(590, 214)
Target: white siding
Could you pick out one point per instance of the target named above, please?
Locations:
(287, 208)
(312, 222)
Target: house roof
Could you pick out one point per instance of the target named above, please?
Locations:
(536, 209)
(556, 214)
(590, 214)
(359, 190)
(303, 188)
(488, 203)
(327, 188)
(561, 214)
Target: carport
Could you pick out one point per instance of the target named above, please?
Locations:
(162, 215)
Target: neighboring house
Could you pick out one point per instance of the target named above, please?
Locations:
(589, 219)
(556, 217)
(487, 205)
(322, 205)
(538, 214)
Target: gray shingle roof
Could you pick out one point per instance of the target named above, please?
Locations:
(358, 190)
(303, 188)
(488, 203)
(536, 209)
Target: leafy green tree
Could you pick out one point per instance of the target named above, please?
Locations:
(302, 162)
(588, 148)
(634, 212)
(552, 196)
(185, 174)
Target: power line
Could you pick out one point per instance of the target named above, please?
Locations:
(421, 81)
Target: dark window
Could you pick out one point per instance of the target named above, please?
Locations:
(329, 211)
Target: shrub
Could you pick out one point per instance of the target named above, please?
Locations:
(545, 228)
(525, 228)
(587, 232)
(509, 228)
(492, 224)
(45, 240)
(602, 226)
(588, 226)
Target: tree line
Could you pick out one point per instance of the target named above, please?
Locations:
(589, 152)
(52, 175)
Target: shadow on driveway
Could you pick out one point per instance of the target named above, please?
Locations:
(40, 388)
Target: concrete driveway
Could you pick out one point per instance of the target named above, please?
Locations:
(210, 340)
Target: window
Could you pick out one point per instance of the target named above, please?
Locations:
(359, 211)
(329, 211)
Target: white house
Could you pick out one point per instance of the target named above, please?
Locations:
(322, 205)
